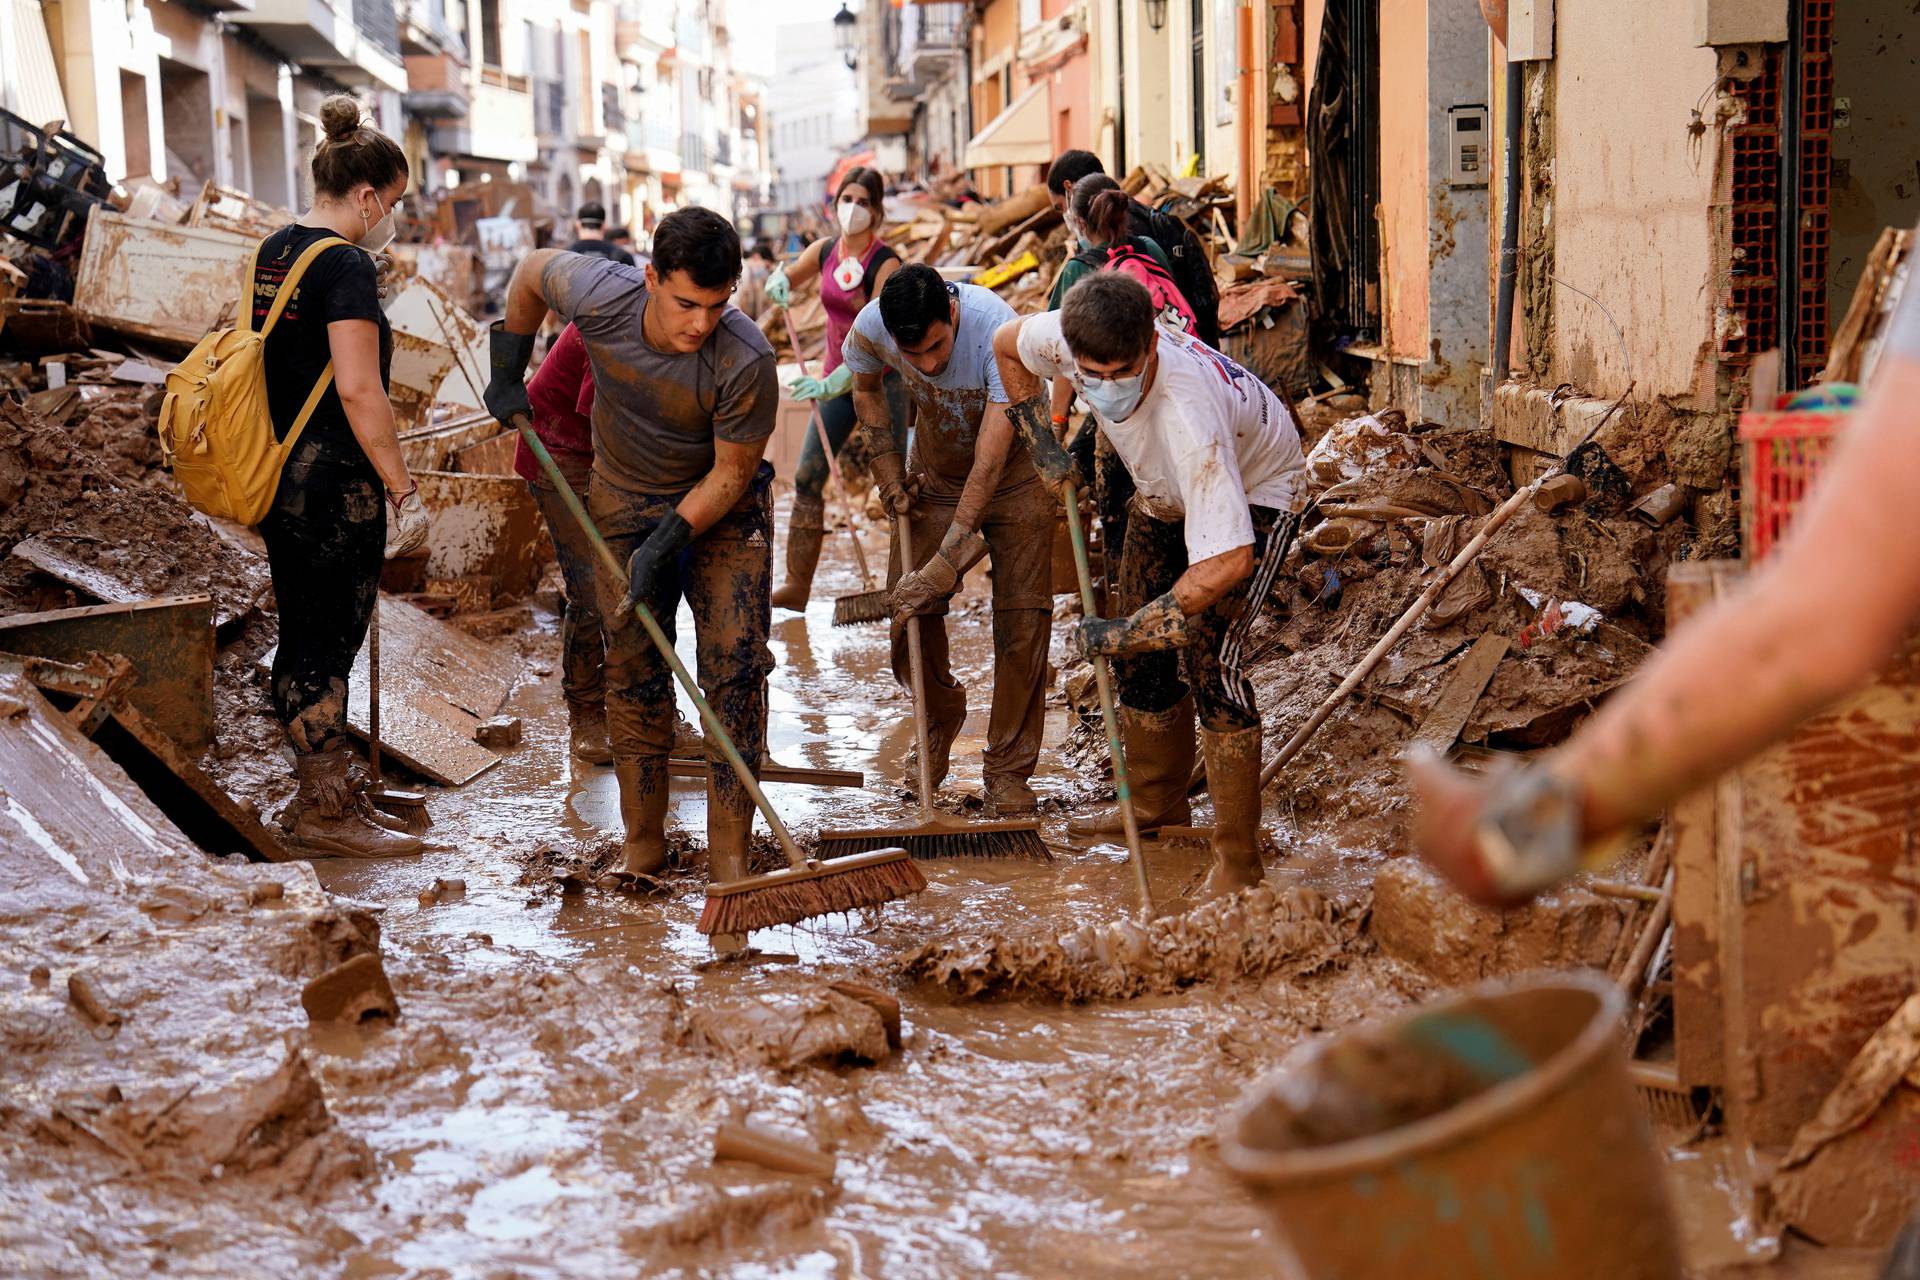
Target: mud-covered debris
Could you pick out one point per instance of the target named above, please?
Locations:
(1254, 934)
(786, 1029)
(716, 1218)
(351, 991)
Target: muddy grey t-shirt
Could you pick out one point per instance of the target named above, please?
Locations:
(656, 414)
(948, 408)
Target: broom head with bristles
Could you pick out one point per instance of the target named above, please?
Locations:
(410, 807)
(1010, 839)
(861, 606)
(793, 894)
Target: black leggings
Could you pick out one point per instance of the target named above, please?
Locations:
(326, 538)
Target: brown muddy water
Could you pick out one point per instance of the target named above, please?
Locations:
(547, 1102)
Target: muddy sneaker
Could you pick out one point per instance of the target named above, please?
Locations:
(1011, 798)
(325, 816)
(687, 740)
(587, 735)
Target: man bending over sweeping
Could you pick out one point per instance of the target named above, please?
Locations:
(684, 402)
(972, 491)
(1220, 483)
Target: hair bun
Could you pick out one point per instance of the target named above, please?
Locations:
(340, 116)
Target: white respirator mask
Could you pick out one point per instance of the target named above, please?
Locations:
(854, 217)
(380, 234)
(1114, 399)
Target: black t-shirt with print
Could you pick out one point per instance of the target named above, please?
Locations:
(339, 285)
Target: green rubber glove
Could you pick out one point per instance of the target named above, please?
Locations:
(778, 290)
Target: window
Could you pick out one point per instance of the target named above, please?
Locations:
(490, 32)
(1029, 14)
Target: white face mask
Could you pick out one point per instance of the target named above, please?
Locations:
(380, 234)
(854, 217)
(1114, 399)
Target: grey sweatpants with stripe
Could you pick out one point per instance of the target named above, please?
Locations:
(1152, 560)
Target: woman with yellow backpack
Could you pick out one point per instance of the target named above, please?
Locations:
(345, 499)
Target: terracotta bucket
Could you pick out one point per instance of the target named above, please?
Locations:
(1490, 1133)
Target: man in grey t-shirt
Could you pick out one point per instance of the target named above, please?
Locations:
(684, 402)
(977, 494)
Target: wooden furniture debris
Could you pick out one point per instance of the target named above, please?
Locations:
(168, 641)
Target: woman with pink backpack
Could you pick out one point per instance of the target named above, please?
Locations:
(1096, 215)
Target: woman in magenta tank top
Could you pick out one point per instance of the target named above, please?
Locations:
(852, 266)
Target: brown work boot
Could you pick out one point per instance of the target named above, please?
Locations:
(587, 733)
(1009, 797)
(940, 736)
(1233, 779)
(325, 815)
(1159, 746)
(687, 738)
(643, 814)
(806, 530)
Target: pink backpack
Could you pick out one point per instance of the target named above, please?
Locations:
(1130, 260)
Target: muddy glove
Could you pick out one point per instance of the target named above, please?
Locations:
(406, 523)
(507, 356)
(831, 387)
(921, 591)
(1158, 624)
(385, 278)
(662, 546)
(1032, 419)
(778, 289)
(890, 477)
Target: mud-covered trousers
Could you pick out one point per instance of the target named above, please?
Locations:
(725, 575)
(326, 536)
(582, 644)
(1019, 531)
(1211, 663)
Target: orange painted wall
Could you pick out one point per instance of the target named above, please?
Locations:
(1403, 172)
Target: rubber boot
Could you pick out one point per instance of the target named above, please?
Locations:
(1233, 779)
(325, 814)
(728, 834)
(1159, 746)
(587, 733)
(806, 530)
(940, 736)
(643, 812)
(1009, 797)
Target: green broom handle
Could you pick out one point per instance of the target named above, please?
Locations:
(611, 563)
(1121, 791)
(903, 525)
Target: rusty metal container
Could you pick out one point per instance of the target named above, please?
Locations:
(1494, 1132)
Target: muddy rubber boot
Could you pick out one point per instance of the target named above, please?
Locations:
(728, 834)
(1011, 798)
(587, 733)
(643, 812)
(1159, 746)
(806, 530)
(325, 814)
(940, 736)
(1233, 778)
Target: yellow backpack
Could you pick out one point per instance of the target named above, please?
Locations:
(215, 431)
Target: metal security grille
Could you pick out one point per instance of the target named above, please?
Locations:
(1809, 189)
(1753, 267)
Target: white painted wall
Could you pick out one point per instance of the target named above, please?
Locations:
(813, 109)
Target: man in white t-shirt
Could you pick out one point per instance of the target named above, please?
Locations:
(1220, 483)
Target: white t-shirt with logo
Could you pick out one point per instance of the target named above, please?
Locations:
(1208, 441)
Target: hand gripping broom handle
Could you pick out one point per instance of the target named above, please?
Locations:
(904, 526)
(611, 563)
(833, 465)
(1121, 791)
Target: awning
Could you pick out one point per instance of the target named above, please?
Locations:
(1022, 134)
(33, 88)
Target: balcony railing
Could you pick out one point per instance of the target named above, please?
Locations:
(940, 26)
(379, 24)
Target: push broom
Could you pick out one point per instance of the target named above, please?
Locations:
(936, 835)
(1122, 793)
(805, 887)
(868, 604)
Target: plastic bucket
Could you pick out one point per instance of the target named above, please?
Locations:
(1491, 1133)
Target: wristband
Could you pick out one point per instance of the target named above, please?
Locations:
(396, 501)
(1059, 419)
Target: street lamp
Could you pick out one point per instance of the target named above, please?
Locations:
(845, 27)
(1156, 14)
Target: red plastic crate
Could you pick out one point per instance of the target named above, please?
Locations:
(1782, 452)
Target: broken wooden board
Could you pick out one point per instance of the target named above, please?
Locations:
(1699, 1012)
(1469, 680)
(169, 642)
(46, 554)
(170, 285)
(169, 778)
(437, 683)
(774, 771)
(484, 524)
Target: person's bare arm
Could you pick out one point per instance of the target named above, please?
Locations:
(990, 451)
(526, 305)
(722, 487)
(1208, 580)
(355, 346)
(1062, 399)
(807, 265)
(1802, 632)
(1027, 410)
(881, 276)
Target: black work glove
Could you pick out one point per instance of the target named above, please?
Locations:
(1032, 419)
(643, 566)
(507, 356)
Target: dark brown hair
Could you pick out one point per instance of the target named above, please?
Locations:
(1069, 167)
(1101, 206)
(870, 179)
(1107, 317)
(351, 152)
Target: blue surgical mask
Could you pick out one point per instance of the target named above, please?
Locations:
(1114, 399)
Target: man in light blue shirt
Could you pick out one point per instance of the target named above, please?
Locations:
(968, 491)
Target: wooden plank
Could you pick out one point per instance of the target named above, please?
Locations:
(50, 557)
(1461, 693)
(437, 684)
(774, 771)
(484, 524)
(156, 281)
(168, 641)
(1699, 1011)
